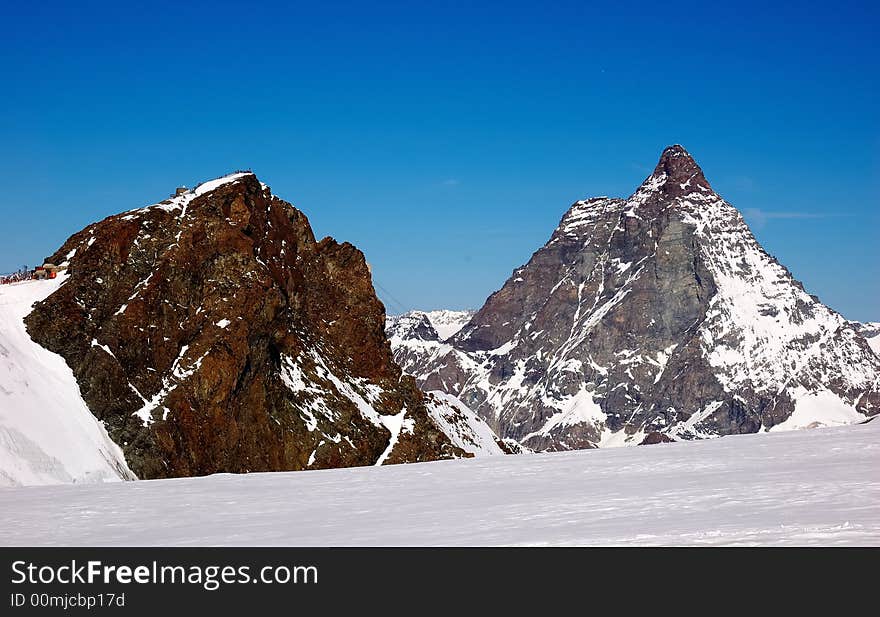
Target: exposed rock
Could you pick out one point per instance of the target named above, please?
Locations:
(657, 313)
(512, 446)
(654, 438)
(212, 333)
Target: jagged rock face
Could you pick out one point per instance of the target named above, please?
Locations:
(212, 333)
(659, 313)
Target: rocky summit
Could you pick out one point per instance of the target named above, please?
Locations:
(211, 332)
(650, 318)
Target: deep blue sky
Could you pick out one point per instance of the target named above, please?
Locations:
(446, 141)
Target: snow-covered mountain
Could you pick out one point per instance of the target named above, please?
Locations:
(656, 314)
(414, 338)
(210, 332)
(419, 324)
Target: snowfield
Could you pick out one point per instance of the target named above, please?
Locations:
(809, 487)
(47, 433)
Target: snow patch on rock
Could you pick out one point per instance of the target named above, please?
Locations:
(817, 409)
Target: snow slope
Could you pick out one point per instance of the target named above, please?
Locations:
(47, 434)
(466, 429)
(812, 487)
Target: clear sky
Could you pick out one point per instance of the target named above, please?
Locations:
(446, 140)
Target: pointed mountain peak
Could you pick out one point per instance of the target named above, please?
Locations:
(677, 173)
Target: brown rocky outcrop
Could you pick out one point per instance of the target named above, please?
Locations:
(655, 438)
(212, 333)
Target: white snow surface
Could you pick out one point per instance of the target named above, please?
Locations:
(813, 487)
(211, 185)
(47, 434)
(395, 425)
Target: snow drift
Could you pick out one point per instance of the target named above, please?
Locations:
(47, 434)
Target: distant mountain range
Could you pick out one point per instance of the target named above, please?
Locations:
(427, 325)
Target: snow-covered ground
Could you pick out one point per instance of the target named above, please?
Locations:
(809, 487)
(47, 434)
